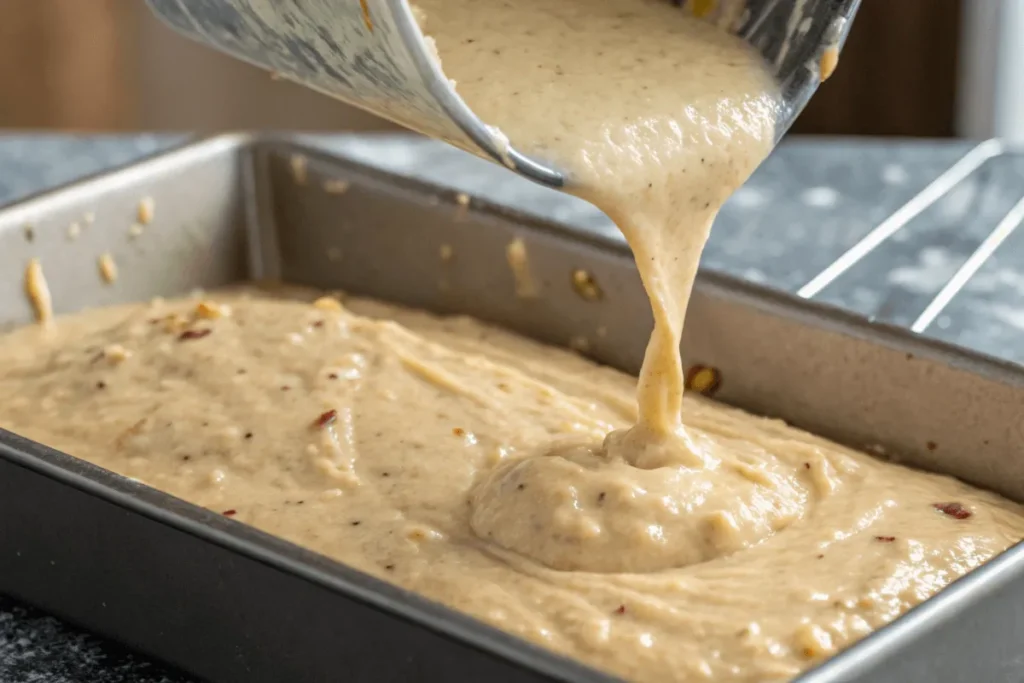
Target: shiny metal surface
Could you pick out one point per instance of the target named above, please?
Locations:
(371, 54)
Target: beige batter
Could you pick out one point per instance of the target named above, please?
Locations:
(517, 482)
(420, 449)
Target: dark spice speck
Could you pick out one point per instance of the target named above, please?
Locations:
(954, 510)
(326, 418)
(189, 335)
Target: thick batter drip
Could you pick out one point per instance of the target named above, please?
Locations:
(370, 434)
(657, 117)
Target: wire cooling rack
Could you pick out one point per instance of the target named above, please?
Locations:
(963, 168)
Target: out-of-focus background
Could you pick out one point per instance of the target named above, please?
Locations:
(912, 67)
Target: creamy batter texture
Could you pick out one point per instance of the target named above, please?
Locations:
(457, 460)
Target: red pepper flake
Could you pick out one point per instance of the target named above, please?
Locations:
(318, 323)
(188, 335)
(954, 510)
(931, 445)
(459, 431)
(621, 609)
(703, 379)
(885, 539)
(326, 418)
(229, 513)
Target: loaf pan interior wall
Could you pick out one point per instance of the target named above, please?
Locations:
(195, 238)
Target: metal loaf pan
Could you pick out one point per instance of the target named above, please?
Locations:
(228, 603)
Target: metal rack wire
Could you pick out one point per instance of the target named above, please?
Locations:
(938, 188)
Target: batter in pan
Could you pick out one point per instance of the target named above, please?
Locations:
(463, 462)
(658, 537)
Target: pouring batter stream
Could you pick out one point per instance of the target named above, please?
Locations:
(657, 117)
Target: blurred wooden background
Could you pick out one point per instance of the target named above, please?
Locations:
(897, 74)
(61, 64)
(110, 65)
(106, 64)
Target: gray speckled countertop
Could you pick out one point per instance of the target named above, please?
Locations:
(807, 204)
